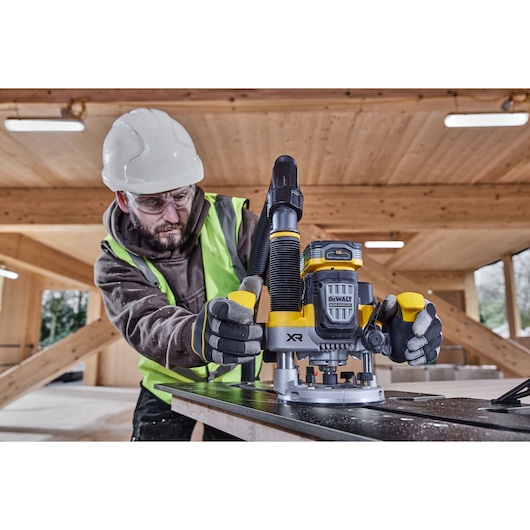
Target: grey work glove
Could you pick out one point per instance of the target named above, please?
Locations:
(416, 342)
(224, 331)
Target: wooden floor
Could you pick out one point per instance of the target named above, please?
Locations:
(70, 412)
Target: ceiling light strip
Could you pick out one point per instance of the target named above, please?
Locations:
(487, 119)
(43, 125)
(384, 244)
(8, 274)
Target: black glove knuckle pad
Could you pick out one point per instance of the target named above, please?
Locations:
(229, 330)
(400, 333)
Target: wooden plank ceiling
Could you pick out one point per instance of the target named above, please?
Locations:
(372, 164)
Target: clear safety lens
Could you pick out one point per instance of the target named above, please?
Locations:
(155, 204)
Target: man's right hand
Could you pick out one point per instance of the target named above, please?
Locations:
(224, 332)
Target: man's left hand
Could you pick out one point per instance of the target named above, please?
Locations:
(416, 342)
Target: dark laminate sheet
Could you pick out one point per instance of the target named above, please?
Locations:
(405, 416)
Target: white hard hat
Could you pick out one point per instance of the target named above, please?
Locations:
(146, 151)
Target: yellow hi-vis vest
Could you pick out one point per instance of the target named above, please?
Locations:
(223, 272)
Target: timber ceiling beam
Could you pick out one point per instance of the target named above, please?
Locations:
(39, 259)
(412, 208)
(418, 207)
(258, 98)
(25, 206)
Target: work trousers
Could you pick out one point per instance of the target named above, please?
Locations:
(153, 420)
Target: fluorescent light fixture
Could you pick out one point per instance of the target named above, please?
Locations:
(8, 274)
(487, 119)
(43, 124)
(384, 244)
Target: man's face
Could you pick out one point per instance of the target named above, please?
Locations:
(161, 218)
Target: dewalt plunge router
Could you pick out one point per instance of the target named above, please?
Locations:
(319, 309)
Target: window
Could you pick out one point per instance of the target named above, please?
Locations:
(521, 272)
(63, 312)
(491, 292)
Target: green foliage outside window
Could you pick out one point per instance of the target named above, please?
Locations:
(63, 312)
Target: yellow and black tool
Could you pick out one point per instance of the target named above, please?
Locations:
(319, 309)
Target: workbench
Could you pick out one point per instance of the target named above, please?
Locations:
(427, 411)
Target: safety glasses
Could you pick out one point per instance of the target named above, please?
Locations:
(156, 204)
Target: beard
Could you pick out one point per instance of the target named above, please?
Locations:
(157, 237)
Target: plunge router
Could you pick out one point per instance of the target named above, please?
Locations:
(319, 309)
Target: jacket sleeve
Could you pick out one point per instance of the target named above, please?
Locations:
(143, 314)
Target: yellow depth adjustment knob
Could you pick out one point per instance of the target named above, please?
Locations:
(244, 298)
(411, 304)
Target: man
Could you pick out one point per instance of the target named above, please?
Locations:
(172, 256)
(160, 214)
